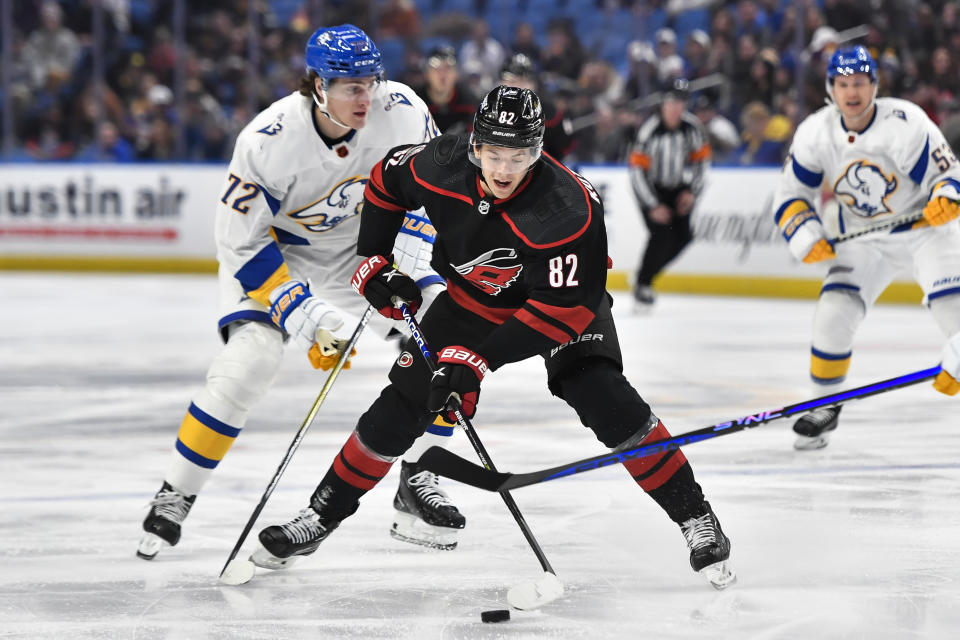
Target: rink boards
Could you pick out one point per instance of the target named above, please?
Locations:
(159, 218)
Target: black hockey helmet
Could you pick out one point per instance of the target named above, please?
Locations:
(519, 65)
(678, 89)
(509, 117)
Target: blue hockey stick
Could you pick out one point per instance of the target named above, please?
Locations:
(448, 464)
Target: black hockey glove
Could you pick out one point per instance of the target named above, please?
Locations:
(379, 281)
(458, 375)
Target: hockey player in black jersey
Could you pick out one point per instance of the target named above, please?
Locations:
(522, 244)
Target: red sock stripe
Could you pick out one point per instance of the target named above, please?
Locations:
(357, 466)
(652, 471)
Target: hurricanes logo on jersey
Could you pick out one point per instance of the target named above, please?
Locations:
(864, 188)
(493, 271)
(343, 201)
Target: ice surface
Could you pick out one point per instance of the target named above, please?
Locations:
(859, 540)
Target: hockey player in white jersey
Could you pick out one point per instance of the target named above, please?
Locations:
(286, 233)
(883, 159)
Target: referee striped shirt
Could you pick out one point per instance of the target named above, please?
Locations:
(668, 159)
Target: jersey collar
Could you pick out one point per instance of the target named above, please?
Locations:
(876, 108)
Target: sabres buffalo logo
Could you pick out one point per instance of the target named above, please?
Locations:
(864, 188)
(343, 201)
(494, 270)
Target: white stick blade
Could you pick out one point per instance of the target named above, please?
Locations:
(239, 571)
(536, 593)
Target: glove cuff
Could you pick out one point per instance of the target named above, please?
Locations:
(367, 269)
(285, 299)
(456, 354)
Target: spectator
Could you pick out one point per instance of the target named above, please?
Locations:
(481, 57)
(452, 104)
(52, 50)
(399, 19)
(765, 139)
(109, 146)
(669, 63)
(722, 133)
(641, 72)
(525, 42)
(699, 63)
(564, 55)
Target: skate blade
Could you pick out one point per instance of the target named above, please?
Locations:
(150, 545)
(536, 593)
(719, 575)
(266, 560)
(411, 529)
(811, 443)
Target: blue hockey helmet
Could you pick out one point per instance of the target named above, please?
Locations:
(344, 51)
(847, 61)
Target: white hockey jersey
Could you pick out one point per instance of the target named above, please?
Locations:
(285, 186)
(887, 170)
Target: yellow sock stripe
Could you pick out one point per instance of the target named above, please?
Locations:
(204, 440)
(828, 369)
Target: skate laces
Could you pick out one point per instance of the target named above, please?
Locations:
(822, 416)
(699, 532)
(425, 484)
(305, 527)
(171, 504)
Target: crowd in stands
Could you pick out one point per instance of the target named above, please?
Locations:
(756, 66)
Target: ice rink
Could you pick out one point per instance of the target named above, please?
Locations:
(859, 540)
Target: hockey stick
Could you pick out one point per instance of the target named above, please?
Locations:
(889, 224)
(529, 595)
(241, 571)
(448, 464)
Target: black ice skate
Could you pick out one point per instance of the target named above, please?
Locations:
(813, 429)
(168, 509)
(643, 297)
(425, 515)
(284, 543)
(709, 548)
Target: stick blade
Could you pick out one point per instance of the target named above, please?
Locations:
(450, 465)
(536, 593)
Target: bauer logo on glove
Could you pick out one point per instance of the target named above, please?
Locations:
(379, 281)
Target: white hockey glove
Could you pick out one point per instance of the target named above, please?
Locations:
(413, 250)
(948, 380)
(807, 239)
(944, 204)
(303, 317)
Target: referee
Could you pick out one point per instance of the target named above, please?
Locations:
(667, 164)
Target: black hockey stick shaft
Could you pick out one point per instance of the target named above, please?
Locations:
(452, 466)
(467, 427)
(883, 226)
(301, 432)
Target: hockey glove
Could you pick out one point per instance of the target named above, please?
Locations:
(379, 281)
(941, 210)
(304, 318)
(326, 356)
(948, 380)
(458, 376)
(808, 242)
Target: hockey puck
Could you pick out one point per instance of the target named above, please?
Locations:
(495, 615)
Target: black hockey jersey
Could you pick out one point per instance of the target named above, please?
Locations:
(534, 263)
